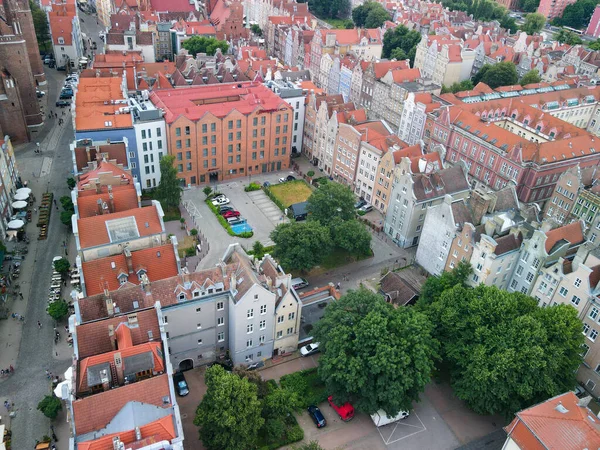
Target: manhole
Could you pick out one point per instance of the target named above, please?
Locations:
(184, 416)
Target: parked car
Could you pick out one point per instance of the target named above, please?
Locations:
(346, 411)
(360, 203)
(40, 94)
(72, 79)
(235, 220)
(68, 86)
(317, 416)
(181, 385)
(220, 201)
(299, 283)
(366, 208)
(288, 178)
(380, 418)
(61, 68)
(266, 184)
(222, 209)
(226, 364)
(228, 214)
(256, 365)
(309, 349)
(47, 60)
(63, 103)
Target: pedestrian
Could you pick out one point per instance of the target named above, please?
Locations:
(12, 369)
(35, 210)
(39, 325)
(337, 286)
(66, 328)
(7, 405)
(21, 295)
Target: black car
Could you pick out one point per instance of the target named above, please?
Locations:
(226, 208)
(62, 68)
(360, 203)
(317, 416)
(63, 103)
(181, 385)
(290, 178)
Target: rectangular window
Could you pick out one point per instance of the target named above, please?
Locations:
(593, 335)
(220, 321)
(263, 309)
(291, 315)
(250, 328)
(263, 324)
(261, 340)
(177, 131)
(280, 319)
(563, 291)
(250, 314)
(593, 313)
(577, 282)
(575, 300)
(221, 336)
(279, 334)
(249, 343)
(290, 331)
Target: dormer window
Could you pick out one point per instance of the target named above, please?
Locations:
(182, 296)
(196, 293)
(61, 40)
(122, 278)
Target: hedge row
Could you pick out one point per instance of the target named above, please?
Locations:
(224, 223)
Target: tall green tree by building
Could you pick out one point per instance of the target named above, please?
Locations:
(169, 190)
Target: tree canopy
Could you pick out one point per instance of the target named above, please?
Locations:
(500, 74)
(256, 29)
(534, 22)
(62, 266)
(40, 24)
(169, 190)
(330, 203)
(530, 5)
(595, 45)
(503, 351)
(229, 415)
(567, 37)
(370, 15)
(301, 245)
(374, 355)
(484, 10)
(435, 286)
(400, 38)
(465, 85)
(576, 15)
(203, 44)
(58, 310)
(50, 406)
(530, 77)
(330, 9)
(352, 236)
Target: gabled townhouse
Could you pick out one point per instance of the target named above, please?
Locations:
(333, 81)
(347, 65)
(587, 205)
(543, 248)
(440, 227)
(65, 34)
(444, 60)
(357, 77)
(413, 116)
(389, 94)
(413, 193)
(558, 209)
(420, 162)
(119, 391)
(241, 307)
(373, 74)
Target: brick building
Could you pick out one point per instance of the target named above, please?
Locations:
(553, 8)
(219, 132)
(21, 71)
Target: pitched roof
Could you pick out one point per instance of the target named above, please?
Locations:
(96, 411)
(152, 433)
(122, 199)
(94, 231)
(93, 338)
(557, 423)
(115, 151)
(172, 5)
(61, 26)
(438, 184)
(571, 233)
(157, 262)
(397, 289)
(508, 243)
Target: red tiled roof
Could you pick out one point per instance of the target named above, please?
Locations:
(558, 423)
(404, 75)
(104, 167)
(93, 231)
(383, 67)
(172, 5)
(96, 411)
(152, 433)
(125, 352)
(123, 200)
(61, 26)
(572, 233)
(116, 151)
(218, 99)
(93, 337)
(158, 262)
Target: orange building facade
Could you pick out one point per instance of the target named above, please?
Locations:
(221, 132)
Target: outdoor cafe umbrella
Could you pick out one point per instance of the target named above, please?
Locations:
(19, 204)
(21, 196)
(15, 224)
(24, 190)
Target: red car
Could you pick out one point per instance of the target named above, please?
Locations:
(346, 411)
(228, 214)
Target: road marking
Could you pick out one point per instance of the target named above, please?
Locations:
(46, 166)
(389, 441)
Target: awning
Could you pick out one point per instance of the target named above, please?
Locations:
(24, 190)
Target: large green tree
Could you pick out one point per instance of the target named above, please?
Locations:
(500, 74)
(203, 44)
(465, 85)
(169, 190)
(435, 286)
(567, 37)
(534, 22)
(352, 236)
(330, 9)
(530, 5)
(370, 15)
(40, 24)
(301, 245)
(330, 203)
(229, 415)
(374, 355)
(530, 77)
(401, 38)
(504, 352)
(576, 15)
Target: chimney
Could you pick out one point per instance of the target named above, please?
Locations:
(105, 380)
(98, 187)
(146, 284)
(99, 204)
(233, 282)
(111, 202)
(585, 401)
(129, 259)
(118, 362)
(110, 309)
(138, 434)
(546, 226)
(88, 153)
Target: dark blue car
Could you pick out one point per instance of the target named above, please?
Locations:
(317, 416)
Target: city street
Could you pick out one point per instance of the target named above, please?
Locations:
(91, 28)
(31, 350)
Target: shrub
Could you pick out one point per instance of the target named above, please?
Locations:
(224, 223)
(58, 310)
(190, 251)
(307, 386)
(310, 173)
(194, 232)
(50, 406)
(295, 434)
(71, 182)
(252, 187)
(207, 190)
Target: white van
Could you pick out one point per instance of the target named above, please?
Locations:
(380, 418)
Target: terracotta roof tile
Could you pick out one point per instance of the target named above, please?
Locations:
(93, 230)
(93, 337)
(115, 151)
(558, 423)
(158, 263)
(397, 289)
(508, 243)
(96, 411)
(572, 233)
(61, 26)
(123, 200)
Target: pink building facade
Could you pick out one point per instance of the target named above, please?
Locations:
(593, 28)
(553, 8)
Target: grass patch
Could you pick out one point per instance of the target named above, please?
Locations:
(340, 24)
(171, 214)
(307, 386)
(187, 247)
(291, 192)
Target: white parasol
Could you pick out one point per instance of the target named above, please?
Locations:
(21, 196)
(15, 224)
(20, 204)
(24, 190)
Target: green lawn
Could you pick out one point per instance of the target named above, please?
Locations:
(337, 23)
(291, 192)
(338, 258)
